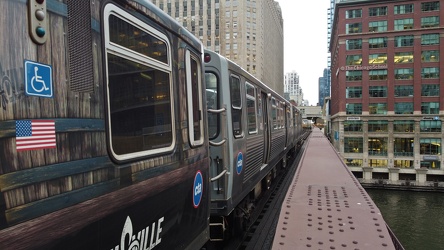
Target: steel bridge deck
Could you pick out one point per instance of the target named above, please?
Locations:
(326, 207)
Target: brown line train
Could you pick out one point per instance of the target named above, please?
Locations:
(119, 131)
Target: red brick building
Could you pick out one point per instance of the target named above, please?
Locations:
(387, 91)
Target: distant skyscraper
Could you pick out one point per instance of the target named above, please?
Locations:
(324, 86)
(249, 32)
(293, 88)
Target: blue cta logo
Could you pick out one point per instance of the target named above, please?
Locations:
(197, 189)
(239, 163)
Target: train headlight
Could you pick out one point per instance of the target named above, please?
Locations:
(38, 21)
(207, 58)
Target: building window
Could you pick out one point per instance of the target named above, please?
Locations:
(378, 126)
(380, 74)
(378, 11)
(404, 74)
(377, 26)
(403, 164)
(356, 13)
(353, 92)
(430, 56)
(377, 163)
(353, 60)
(353, 144)
(404, 57)
(404, 24)
(353, 75)
(430, 22)
(354, 162)
(430, 126)
(404, 126)
(430, 73)
(354, 44)
(403, 41)
(429, 39)
(376, 43)
(430, 6)
(377, 146)
(431, 164)
(377, 108)
(403, 108)
(403, 90)
(403, 146)
(353, 108)
(377, 59)
(352, 28)
(429, 108)
(403, 9)
(352, 126)
(377, 91)
(430, 90)
(430, 146)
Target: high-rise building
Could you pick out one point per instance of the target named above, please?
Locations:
(293, 88)
(249, 32)
(387, 104)
(324, 87)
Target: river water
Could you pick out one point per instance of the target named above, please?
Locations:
(416, 218)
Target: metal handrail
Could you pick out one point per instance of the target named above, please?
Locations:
(396, 242)
(217, 111)
(217, 143)
(218, 176)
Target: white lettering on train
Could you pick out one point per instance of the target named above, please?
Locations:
(198, 189)
(146, 239)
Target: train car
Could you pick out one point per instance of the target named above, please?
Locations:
(252, 131)
(103, 135)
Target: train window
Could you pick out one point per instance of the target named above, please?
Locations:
(139, 97)
(281, 115)
(236, 105)
(251, 108)
(212, 85)
(132, 38)
(274, 114)
(289, 122)
(195, 123)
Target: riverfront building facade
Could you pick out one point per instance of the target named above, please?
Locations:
(387, 89)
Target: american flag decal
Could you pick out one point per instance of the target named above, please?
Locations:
(35, 134)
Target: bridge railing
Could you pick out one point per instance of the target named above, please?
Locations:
(396, 242)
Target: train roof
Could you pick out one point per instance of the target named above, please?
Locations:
(244, 72)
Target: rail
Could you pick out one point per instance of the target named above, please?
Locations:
(218, 176)
(217, 144)
(396, 242)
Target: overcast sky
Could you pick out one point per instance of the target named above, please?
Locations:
(305, 42)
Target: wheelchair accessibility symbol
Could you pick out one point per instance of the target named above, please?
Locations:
(38, 79)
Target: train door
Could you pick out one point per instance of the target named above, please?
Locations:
(265, 121)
